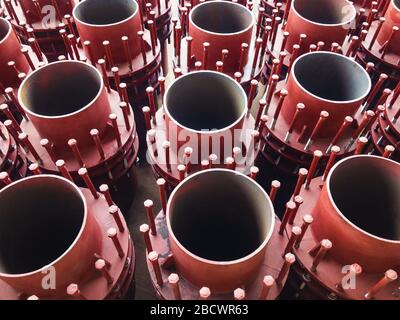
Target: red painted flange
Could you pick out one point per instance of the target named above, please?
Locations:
(103, 113)
(45, 21)
(91, 282)
(271, 266)
(12, 159)
(323, 281)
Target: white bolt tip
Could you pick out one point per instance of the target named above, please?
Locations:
(60, 163)
(213, 157)
(298, 200)
(188, 150)
(114, 69)
(33, 297)
(94, 132)
(151, 133)
(149, 89)
(113, 116)
(181, 167)
(33, 166)
(44, 142)
(268, 281)
(296, 230)
(335, 149)
(308, 218)
(284, 92)
(229, 160)
(100, 264)
(112, 232)
(152, 256)
(303, 172)
(254, 170)
(236, 150)
(173, 278)
(254, 82)
(161, 182)
(22, 136)
(290, 258)
(72, 289)
(72, 142)
(291, 205)
(82, 171)
(391, 275)
(106, 43)
(326, 243)
(276, 184)
(146, 109)
(113, 209)
(239, 294)
(103, 188)
(144, 228)
(166, 144)
(205, 292)
(324, 114)
(318, 153)
(148, 203)
(3, 175)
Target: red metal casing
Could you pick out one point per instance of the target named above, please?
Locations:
(84, 239)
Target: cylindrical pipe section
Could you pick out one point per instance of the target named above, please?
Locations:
(10, 50)
(103, 20)
(321, 20)
(204, 105)
(66, 100)
(50, 227)
(325, 81)
(224, 25)
(392, 17)
(219, 224)
(359, 212)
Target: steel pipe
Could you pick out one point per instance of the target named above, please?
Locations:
(352, 241)
(106, 135)
(340, 88)
(99, 20)
(42, 20)
(221, 262)
(361, 223)
(67, 243)
(326, 20)
(381, 46)
(216, 123)
(206, 25)
(320, 106)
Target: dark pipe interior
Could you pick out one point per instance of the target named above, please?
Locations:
(39, 220)
(331, 76)
(397, 4)
(221, 17)
(324, 11)
(4, 29)
(220, 216)
(103, 12)
(60, 89)
(205, 101)
(367, 191)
